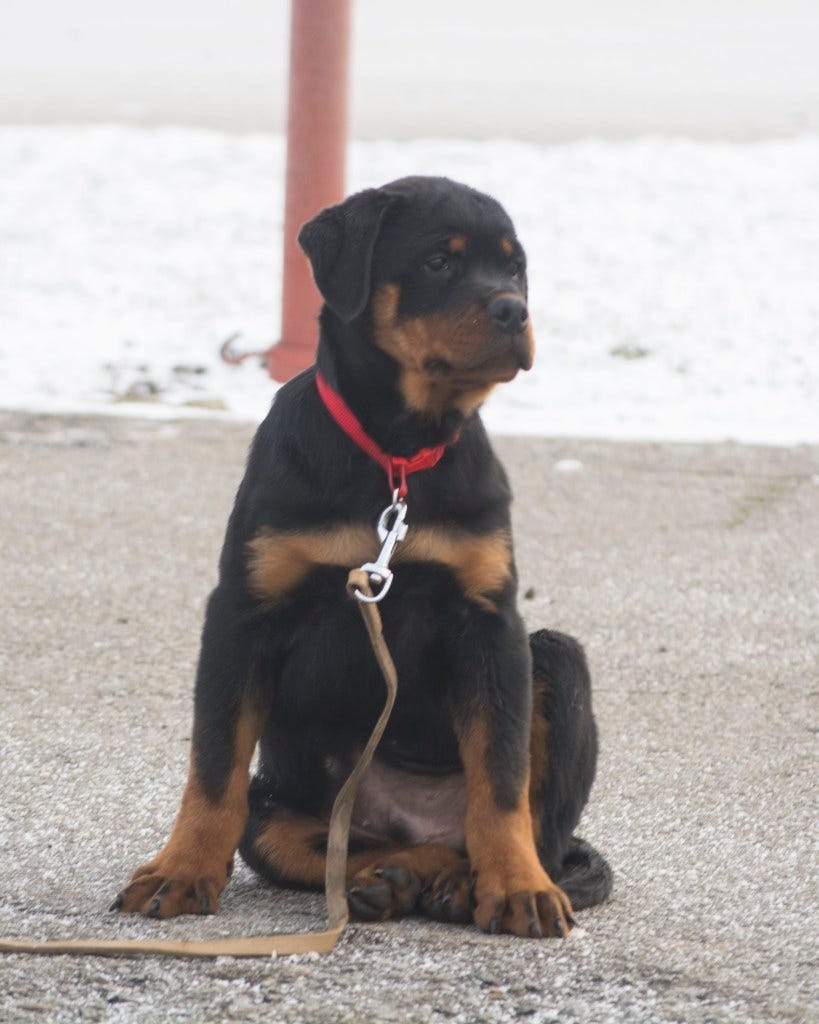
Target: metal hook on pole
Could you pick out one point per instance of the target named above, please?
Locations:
(316, 150)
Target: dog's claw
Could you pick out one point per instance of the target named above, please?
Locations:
(378, 896)
(362, 903)
(397, 876)
(116, 904)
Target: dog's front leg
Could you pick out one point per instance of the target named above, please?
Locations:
(492, 712)
(189, 873)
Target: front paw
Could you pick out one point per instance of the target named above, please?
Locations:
(172, 884)
(536, 909)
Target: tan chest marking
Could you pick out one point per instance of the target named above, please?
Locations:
(278, 561)
(481, 564)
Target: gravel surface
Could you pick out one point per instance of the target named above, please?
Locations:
(691, 573)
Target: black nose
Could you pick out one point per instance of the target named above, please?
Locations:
(509, 313)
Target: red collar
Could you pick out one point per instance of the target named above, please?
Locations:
(397, 467)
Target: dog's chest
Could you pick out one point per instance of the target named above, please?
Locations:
(281, 562)
(329, 674)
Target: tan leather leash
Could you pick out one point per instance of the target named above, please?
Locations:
(358, 584)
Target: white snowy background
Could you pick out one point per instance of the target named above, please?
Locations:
(674, 284)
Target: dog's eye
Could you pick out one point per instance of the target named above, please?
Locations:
(516, 268)
(437, 264)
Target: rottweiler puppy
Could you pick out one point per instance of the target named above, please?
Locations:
(468, 810)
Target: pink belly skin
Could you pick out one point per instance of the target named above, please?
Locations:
(394, 804)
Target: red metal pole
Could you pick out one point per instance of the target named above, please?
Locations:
(316, 147)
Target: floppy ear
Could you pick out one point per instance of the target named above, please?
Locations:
(339, 243)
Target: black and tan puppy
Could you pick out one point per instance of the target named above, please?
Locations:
(469, 808)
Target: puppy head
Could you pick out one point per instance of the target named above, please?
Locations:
(436, 273)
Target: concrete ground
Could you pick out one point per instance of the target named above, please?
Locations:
(691, 573)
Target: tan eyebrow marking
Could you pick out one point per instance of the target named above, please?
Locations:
(457, 243)
(507, 247)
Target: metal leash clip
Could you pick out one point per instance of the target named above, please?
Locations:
(391, 531)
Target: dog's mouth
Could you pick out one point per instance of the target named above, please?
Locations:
(437, 367)
(495, 367)
(448, 357)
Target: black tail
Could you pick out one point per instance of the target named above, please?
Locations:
(586, 877)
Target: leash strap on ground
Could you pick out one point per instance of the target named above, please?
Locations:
(336, 870)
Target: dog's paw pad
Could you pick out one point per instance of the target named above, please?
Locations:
(382, 891)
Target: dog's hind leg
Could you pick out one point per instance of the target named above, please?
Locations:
(563, 762)
(384, 879)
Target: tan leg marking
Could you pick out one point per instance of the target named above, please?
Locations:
(189, 873)
(537, 758)
(294, 847)
(383, 881)
(481, 564)
(512, 891)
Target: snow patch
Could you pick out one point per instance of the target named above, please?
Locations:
(673, 283)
